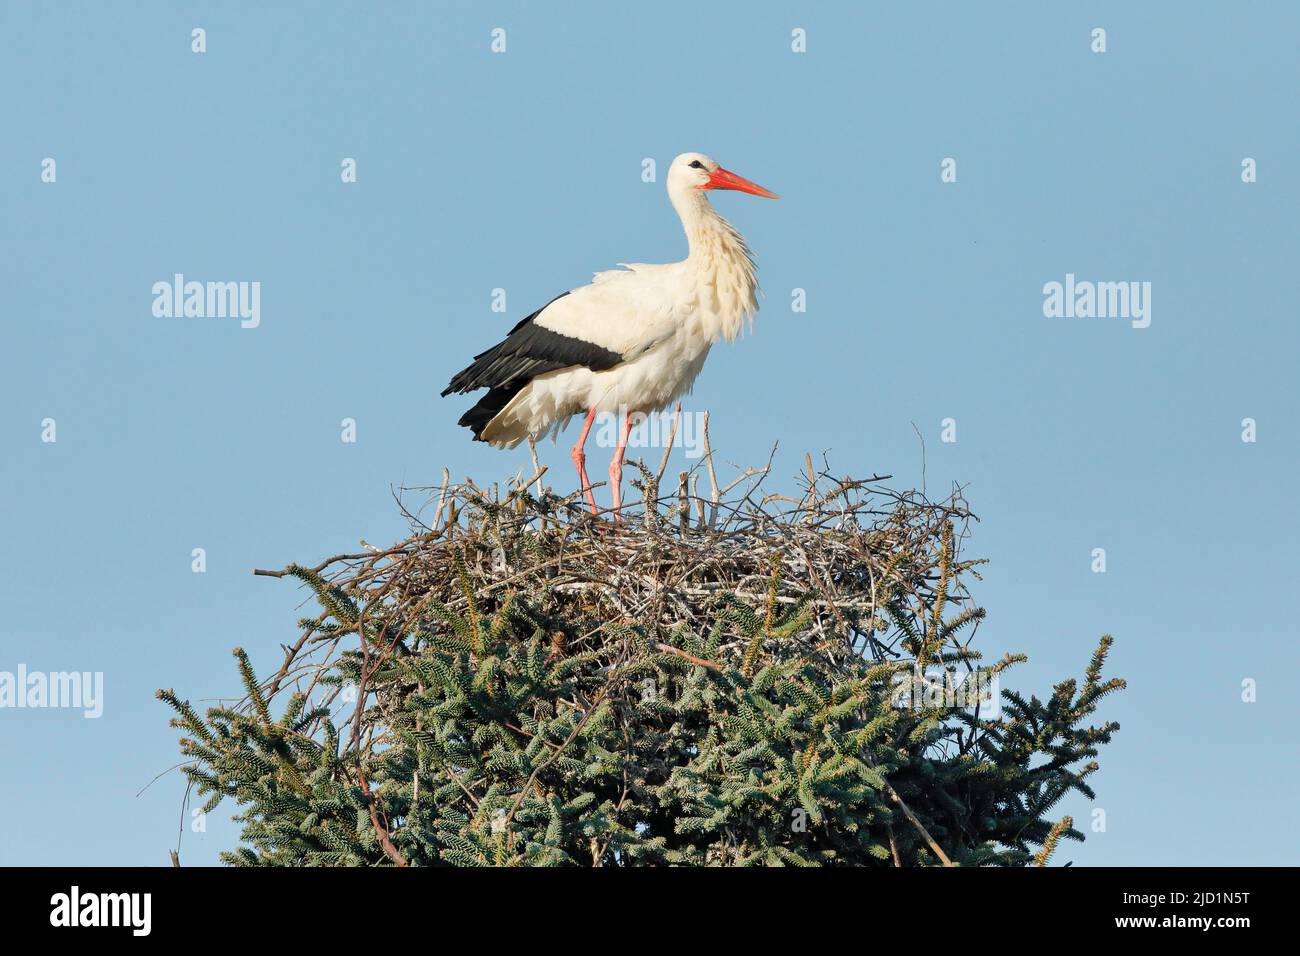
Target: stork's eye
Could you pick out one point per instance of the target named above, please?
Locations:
(697, 165)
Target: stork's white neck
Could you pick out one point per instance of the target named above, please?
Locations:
(725, 274)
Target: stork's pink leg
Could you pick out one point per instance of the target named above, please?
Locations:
(616, 465)
(580, 460)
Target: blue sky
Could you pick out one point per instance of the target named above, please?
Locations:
(522, 171)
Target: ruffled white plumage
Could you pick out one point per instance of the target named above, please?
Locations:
(661, 319)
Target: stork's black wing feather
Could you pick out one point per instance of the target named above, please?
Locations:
(528, 351)
(487, 408)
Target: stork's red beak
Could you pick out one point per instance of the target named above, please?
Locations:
(723, 179)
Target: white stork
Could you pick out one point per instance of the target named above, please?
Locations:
(632, 341)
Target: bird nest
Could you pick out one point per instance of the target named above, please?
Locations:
(872, 568)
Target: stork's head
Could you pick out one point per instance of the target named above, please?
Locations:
(697, 171)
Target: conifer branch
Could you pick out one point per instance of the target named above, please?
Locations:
(912, 818)
(1053, 838)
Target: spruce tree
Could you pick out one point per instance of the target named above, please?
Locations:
(762, 680)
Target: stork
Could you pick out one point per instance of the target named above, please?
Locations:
(632, 341)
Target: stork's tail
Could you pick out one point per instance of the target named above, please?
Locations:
(486, 409)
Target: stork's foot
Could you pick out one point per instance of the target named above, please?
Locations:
(616, 465)
(615, 487)
(580, 462)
